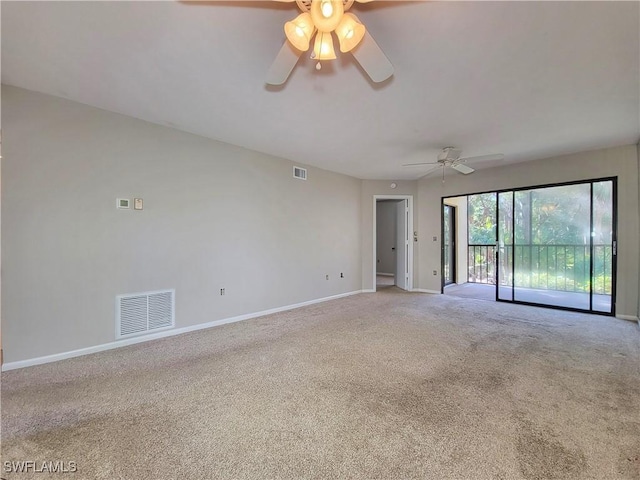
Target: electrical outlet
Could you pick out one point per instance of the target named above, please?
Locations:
(341, 275)
(327, 277)
(222, 291)
(435, 272)
(435, 239)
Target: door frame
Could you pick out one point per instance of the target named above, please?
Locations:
(454, 253)
(614, 265)
(409, 199)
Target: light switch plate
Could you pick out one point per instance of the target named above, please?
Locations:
(137, 204)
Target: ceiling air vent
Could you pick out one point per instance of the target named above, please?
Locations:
(141, 313)
(300, 173)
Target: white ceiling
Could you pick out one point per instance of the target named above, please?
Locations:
(527, 79)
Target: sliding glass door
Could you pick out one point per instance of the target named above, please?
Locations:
(504, 281)
(603, 246)
(556, 246)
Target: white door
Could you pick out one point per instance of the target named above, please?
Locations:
(402, 245)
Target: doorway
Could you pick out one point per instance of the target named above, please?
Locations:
(454, 235)
(449, 244)
(392, 248)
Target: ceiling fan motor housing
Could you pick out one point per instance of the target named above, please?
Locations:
(449, 154)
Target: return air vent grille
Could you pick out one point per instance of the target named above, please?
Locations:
(144, 312)
(300, 173)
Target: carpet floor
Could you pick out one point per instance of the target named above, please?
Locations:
(386, 385)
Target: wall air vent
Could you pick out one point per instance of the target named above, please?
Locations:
(300, 173)
(141, 313)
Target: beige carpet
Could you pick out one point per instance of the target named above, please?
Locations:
(385, 385)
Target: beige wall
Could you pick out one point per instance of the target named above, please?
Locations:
(621, 162)
(462, 258)
(215, 216)
(382, 187)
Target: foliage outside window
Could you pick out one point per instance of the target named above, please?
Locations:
(552, 248)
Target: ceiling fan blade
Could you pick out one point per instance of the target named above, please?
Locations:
(462, 168)
(419, 164)
(283, 64)
(483, 158)
(372, 59)
(430, 171)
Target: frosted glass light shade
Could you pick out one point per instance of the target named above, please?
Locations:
(350, 32)
(299, 31)
(326, 14)
(323, 48)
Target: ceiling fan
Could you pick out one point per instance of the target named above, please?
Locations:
(451, 157)
(324, 19)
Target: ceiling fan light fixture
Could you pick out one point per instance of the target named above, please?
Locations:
(322, 18)
(326, 14)
(323, 47)
(300, 31)
(326, 8)
(350, 32)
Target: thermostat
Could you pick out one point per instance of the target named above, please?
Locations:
(122, 203)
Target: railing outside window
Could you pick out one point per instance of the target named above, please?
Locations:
(482, 263)
(547, 267)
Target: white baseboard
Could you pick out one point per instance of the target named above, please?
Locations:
(417, 290)
(166, 333)
(631, 318)
(386, 274)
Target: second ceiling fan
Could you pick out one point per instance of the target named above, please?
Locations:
(452, 157)
(324, 19)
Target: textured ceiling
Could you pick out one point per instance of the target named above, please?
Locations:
(527, 79)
